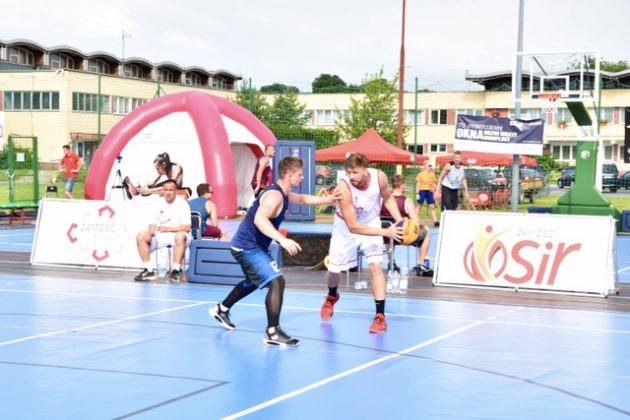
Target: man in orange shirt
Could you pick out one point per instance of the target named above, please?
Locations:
(425, 185)
(70, 164)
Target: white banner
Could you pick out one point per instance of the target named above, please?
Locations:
(90, 232)
(541, 252)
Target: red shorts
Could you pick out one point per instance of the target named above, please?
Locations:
(212, 232)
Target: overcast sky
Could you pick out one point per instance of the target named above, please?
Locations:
(293, 41)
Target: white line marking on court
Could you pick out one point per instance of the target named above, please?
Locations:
(621, 270)
(349, 372)
(93, 295)
(99, 324)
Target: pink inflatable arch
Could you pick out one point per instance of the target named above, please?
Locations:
(208, 114)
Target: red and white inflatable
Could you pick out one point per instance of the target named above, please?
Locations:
(215, 140)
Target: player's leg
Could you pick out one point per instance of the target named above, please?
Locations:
(372, 247)
(342, 255)
(146, 243)
(275, 336)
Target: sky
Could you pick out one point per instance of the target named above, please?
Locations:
(294, 41)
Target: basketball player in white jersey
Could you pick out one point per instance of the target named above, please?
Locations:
(357, 224)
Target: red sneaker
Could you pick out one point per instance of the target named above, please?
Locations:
(379, 325)
(328, 307)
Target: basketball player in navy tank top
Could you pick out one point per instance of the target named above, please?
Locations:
(250, 247)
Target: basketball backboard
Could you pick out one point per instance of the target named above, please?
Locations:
(556, 76)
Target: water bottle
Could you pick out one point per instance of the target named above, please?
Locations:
(389, 281)
(404, 280)
(395, 282)
(161, 262)
(426, 262)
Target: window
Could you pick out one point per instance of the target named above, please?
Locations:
(88, 102)
(98, 66)
(437, 148)
(564, 152)
(61, 61)
(166, 76)
(606, 115)
(121, 105)
(136, 102)
(563, 114)
(25, 101)
(308, 116)
(438, 116)
(133, 71)
(418, 149)
(219, 83)
(326, 117)
(193, 79)
(528, 113)
(410, 117)
(21, 56)
(471, 111)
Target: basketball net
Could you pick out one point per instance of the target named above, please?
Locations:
(550, 102)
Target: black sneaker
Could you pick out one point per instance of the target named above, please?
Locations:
(277, 337)
(222, 317)
(145, 275)
(436, 224)
(174, 276)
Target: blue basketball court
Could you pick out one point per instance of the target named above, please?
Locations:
(77, 346)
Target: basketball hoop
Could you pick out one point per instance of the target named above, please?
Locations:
(550, 102)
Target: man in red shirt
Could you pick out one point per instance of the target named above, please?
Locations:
(70, 164)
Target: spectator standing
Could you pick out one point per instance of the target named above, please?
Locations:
(70, 164)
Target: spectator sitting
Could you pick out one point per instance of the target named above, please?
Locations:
(407, 209)
(171, 226)
(208, 211)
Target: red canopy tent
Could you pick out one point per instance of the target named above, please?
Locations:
(372, 145)
(487, 159)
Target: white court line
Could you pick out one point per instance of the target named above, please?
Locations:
(349, 372)
(100, 324)
(341, 311)
(623, 269)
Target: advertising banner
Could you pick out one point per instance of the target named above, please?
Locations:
(499, 135)
(536, 252)
(90, 232)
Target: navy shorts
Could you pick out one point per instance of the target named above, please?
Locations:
(425, 195)
(258, 266)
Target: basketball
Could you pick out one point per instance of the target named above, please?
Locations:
(411, 231)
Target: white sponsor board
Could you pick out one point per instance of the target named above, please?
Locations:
(90, 232)
(536, 252)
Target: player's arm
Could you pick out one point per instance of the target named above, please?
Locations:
(445, 170)
(410, 208)
(313, 200)
(211, 208)
(350, 217)
(270, 207)
(465, 185)
(264, 162)
(80, 163)
(388, 198)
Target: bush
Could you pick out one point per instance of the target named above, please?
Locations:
(4, 158)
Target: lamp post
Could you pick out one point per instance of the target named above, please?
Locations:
(401, 79)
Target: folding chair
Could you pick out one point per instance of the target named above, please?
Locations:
(51, 189)
(195, 224)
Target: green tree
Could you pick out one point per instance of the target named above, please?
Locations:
(286, 110)
(250, 98)
(614, 67)
(278, 88)
(331, 83)
(377, 109)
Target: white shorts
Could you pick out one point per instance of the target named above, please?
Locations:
(342, 254)
(164, 239)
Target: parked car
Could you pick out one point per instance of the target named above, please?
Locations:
(480, 179)
(624, 181)
(610, 177)
(567, 177)
(324, 175)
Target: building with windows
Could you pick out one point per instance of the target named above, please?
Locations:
(53, 93)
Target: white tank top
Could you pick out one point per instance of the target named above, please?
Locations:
(454, 177)
(367, 203)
